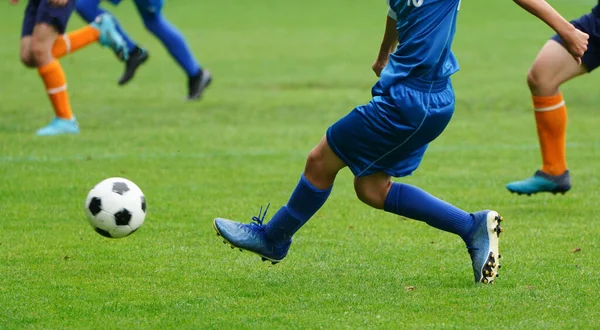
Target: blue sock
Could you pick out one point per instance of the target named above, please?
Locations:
(173, 41)
(90, 9)
(415, 203)
(305, 201)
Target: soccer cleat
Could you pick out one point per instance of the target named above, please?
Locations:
(109, 35)
(542, 182)
(251, 237)
(59, 126)
(136, 58)
(482, 245)
(197, 84)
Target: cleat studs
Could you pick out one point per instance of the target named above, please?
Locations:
(232, 247)
(497, 275)
(241, 250)
(487, 272)
(499, 266)
(499, 256)
(264, 259)
(490, 264)
(224, 242)
(218, 234)
(485, 281)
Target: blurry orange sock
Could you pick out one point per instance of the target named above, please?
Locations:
(551, 122)
(56, 85)
(73, 41)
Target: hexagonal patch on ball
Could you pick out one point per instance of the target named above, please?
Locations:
(122, 217)
(120, 188)
(95, 206)
(144, 204)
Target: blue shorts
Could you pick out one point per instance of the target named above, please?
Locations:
(41, 11)
(391, 133)
(590, 24)
(146, 8)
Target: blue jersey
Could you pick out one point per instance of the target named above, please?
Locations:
(426, 30)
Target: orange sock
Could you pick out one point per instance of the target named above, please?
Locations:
(56, 84)
(551, 122)
(73, 41)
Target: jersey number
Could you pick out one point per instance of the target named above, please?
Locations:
(415, 3)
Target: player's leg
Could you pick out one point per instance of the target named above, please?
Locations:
(173, 40)
(136, 55)
(479, 230)
(272, 241)
(42, 24)
(394, 134)
(89, 10)
(552, 67)
(102, 29)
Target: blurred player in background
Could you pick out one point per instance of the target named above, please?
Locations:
(554, 66)
(43, 42)
(172, 39)
(412, 103)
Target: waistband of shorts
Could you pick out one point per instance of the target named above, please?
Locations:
(428, 86)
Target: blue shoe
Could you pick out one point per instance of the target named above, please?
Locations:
(251, 237)
(542, 182)
(59, 126)
(482, 244)
(110, 36)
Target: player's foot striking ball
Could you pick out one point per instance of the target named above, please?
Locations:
(412, 104)
(251, 237)
(542, 182)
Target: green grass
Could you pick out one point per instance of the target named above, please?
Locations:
(284, 71)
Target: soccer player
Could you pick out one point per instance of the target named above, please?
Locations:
(412, 103)
(43, 42)
(554, 66)
(172, 39)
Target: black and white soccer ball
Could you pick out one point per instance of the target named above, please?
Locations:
(115, 207)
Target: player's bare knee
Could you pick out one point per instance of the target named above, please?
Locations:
(27, 60)
(540, 84)
(371, 193)
(314, 161)
(40, 54)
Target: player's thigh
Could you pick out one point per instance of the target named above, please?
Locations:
(42, 40)
(149, 8)
(552, 67)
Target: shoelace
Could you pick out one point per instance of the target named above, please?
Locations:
(260, 218)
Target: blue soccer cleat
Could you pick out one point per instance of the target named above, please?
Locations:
(110, 36)
(542, 182)
(482, 245)
(251, 237)
(59, 126)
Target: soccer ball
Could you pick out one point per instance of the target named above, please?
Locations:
(115, 207)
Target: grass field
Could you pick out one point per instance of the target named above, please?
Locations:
(284, 71)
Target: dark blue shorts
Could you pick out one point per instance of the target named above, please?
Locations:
(391, 133)
(590, 24)
(41, 11)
